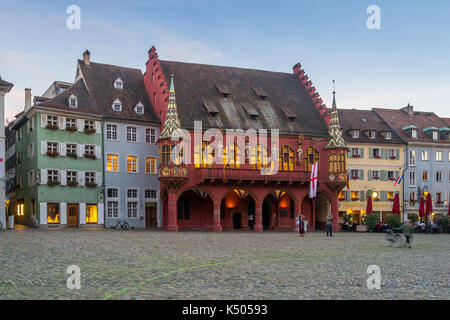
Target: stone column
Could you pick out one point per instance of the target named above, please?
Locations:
(258, 218)
(217, 227)
(172, 212)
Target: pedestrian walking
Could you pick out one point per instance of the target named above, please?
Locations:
(407, 232)
(301, 225)
(330, 225)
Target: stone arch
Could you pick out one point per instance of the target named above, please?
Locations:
(195, 209)
(322, 210)
(237, 200)
(196, 189)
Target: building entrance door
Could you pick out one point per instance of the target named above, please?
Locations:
(72, 215)
(237, 220)
(150, 216)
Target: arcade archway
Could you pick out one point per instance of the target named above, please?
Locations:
(195, 209)
(323, 209)
(236, 207)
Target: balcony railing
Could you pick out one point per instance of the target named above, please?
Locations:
(251, 175)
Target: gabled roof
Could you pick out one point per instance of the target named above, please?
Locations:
(5, 85)
(399, 119)
(196, 83)
(364, 120)
(99, 79)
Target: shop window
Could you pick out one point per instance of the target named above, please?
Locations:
(91, 213)
(53, 214)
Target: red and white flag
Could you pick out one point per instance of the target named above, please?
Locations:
(313, 183)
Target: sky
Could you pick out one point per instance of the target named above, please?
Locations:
(405, 61)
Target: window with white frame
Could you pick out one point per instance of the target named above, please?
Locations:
(150, 165)
(131, 134)
(139, 108)
(132, 164)
(355, 134)
(391, 175)
(372, 134)
(89, 149)
(111, 132)
(71, 149)
(392, 153)
(52, 176)
(424, 155)
(150, 194)
(414, 133)
(150, 135)
(438, 176)
(412, 178)
(355, 173)
(89, 124)
(412, 196)
(89, 177)
(375, 174)
(388, 135)
(132, 193)
(355, 152)
(73, 101)
(71, 123)
(112, 209)
(438, 155)
(112, 193)
(52, 147)
(435, 135)
(52, 121)
(71, 177)
(132, 209)
(117, 105)
(412, 157)
(118, 84)
(30, 125)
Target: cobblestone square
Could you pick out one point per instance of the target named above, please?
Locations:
(230, 265)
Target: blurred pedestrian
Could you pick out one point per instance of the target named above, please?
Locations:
(330, 225)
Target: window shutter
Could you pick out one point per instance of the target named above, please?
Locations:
(349, 153)
(43, 147)
(80, 150)
(348, 195)
(62, 123)
(97, 152)
(58, 148)
(383, 174)
(397, 154)
(81, 178)
(63, 179)
(361, 152)
(43, 212)
(43, 176)
(386, 153)
(370, 153)
(63, 147)
(383, 195)
(97, 126)
(369, 175)
(80, 125)
(43, 120)
(397, 174)
(361, 174)
(361, 196)
(98, 178)
(100, 215)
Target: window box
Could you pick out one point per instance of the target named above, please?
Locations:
(71, 129)
(377, 157)
(51, 127)
(376, 178)
(355, 199)
(355, 177)
(356, 156)
(72, 155)
(392, 157)
(52, 154)
(392, 179)
(53, 183)
(72, 184)
(90, 156)
(89, 131)
(90, 184)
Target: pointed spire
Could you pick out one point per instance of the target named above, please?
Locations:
(334, 129)
(172, 122)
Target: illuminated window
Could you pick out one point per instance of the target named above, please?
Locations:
(286, 159)
(336, 163)
(165, 154)
(200, 154)
(53, 213)
(355, 195)
(91, 213)
(150, 165)
(342, 196)
(390, 196)
(258, 157)
(424, 175)
(20, 209)
(232, 156)
(112, 163)
(131, 164)
(309, 158)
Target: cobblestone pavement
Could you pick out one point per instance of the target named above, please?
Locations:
(231, 265)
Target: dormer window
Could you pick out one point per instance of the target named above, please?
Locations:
(117, 105)
(435, 135)
(260, 93)
(139, 108)
(355, 134)
(73, 101)
(223, 91)
(210, 108)
(388, 135)
(372, 134)
(291, 116)
(414, 133)
(118, 84)
(252, 113)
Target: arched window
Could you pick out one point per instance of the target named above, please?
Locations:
(199, 153)
(232, 156)
(310, 157)
(259, 158)
(286, 159)
(336, 162)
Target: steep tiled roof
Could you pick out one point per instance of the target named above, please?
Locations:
(5, 85)
(364, 120)
(400, 118)
(100, 79)
(196, 83)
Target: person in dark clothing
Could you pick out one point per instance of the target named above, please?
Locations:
(407, 232)
(329, 225)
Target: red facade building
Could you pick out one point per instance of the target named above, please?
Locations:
(235, 195)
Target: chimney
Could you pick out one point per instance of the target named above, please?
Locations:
(87, 57)
(27, 99)
(409, 110)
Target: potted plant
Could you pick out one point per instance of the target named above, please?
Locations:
(414, 217)
(71, 128)
(371, 221)
(376, 178)
(355, 177)
(72, 183)
(52, 154)
(356, 155)
(51, 127)
(53, 183)
(72, 155)
(392, 157)
(90, 156)
(393, 220)
(392, 179)
(90, 184)
(89, 131)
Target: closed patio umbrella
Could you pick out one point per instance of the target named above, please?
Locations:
(369, 205)
(421, 207)
(429, 208)
(396, 204)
